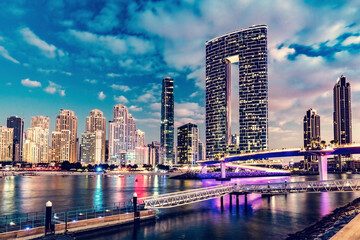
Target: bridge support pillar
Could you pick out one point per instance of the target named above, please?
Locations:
(237, 201)
(245, 199)
(223, 170)
(230, 200)
(222, 202)
(323, 168)
(204, 169)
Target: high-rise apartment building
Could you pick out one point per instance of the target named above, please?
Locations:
(96, 124)
(248, 47)
(122, 136)
(6, 143)
(167, 119)
(188, 144)
(61, 146)
(17, 124)
(311, 134)
(342, 116)
(342, 111)
(36, 145)
(141, 151)
(67, 120)
(88, 146)
(155, 154)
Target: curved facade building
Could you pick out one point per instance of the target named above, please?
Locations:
(248, 47)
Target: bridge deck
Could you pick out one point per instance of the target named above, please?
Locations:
(196, 195)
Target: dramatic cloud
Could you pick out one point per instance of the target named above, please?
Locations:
(54, 71)
(28, 83)
(101, 96)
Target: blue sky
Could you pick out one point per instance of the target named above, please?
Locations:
(82, 55)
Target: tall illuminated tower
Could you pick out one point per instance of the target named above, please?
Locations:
(17, 124)
(342, 115)
(96, 124)
(188, 144)
(248, 47)
(167, 119)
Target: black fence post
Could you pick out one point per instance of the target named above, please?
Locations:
(136, 212)
(49, 227)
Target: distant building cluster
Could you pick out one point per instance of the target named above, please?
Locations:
(342, 124)
(125, 145)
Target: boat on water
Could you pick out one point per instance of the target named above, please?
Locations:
(121, 175)
(349, 172)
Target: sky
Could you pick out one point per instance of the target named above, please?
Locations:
(84, 55)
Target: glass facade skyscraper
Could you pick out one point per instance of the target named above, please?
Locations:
(188, 144)
(17, 124)
(248, 47)
(167, 119)
(311, 134)
(342, 111)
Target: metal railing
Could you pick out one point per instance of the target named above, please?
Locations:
(185, 197)
(348, 185)
(28, 221)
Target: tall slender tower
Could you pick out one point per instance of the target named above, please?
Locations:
(248, 47)
(167, 119)
(96, 123)
(342, 114)
(311, 134)
(342, 111)
(67, 121)
(17, 124)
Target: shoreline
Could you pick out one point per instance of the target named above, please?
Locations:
(67, 173)
(330, 224)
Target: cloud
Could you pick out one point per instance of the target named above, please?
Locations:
(135, 108)
(121, 99)
(101, 96)
(53, 88)
(54, 71)
(147, 97)
(48, 50)
(5, 54)
(113, 75)
(351, 40)
(115, 44)
(120, 87)
(155, 106)
(92, 81)
(28, 83)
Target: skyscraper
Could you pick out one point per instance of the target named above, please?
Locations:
(6, 143)
(188, 144)
(167, 119)
(61, 146)
(67, 120)
(342, 111)
(96, 123)
(88, 146)
(17, 124)
(342, 115)
(37, 140)
(311, 134)
(122, 136)
(248, 47)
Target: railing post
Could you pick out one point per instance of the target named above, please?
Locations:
(48, 219)
(136, 212)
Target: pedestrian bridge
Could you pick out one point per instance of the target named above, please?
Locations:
(176, 199)
(295, 152)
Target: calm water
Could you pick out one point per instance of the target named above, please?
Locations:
(263, 218)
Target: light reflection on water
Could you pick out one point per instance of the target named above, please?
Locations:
(262, 218)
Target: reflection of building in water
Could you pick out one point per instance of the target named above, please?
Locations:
(98, 194)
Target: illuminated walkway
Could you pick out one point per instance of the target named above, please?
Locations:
(295, 152)
(196, 195)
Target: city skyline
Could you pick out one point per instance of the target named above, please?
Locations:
(48, 68)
